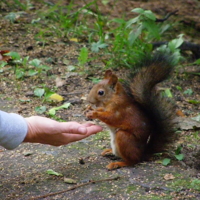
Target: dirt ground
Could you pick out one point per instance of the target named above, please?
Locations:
(23, 171)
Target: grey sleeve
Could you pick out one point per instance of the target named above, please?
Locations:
(13, 129)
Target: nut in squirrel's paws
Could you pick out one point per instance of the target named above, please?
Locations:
(89, 115)
(89, 108)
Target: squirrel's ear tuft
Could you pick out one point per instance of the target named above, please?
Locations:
(113, 81)
(108, 74)
(112, 78)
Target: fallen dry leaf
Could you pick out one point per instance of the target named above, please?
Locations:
(56, 97)
(4, 57)
(73, 39)
(169, 177)
(59, 82)
(180, 113)
(70, 180)
(187, 124)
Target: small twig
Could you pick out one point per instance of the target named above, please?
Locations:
(74, 187)
(167, 16)
(71, 93)
(148, 187)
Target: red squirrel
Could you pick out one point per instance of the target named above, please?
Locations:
(140, 120)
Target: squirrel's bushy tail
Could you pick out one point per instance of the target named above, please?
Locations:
(159, 109)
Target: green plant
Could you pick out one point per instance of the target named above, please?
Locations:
(39, 92)
(38, 67)
(46, 92)
(172, 48)
(166, 161)
(184, 183)
(2, 65)
(64, 20)
(23, 67)
(128, 41)
(52, 172)
(83, 56)
(195, 184)
(167, 93)
(96, 46)
(178, 155)
(137, 33)
(19, 5)
(188, 92)
(40, 109)
(52, 111)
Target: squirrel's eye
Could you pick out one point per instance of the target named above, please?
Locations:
(100, 92)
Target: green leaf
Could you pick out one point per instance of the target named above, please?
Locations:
(197, 62)
(95, 80)
(52, 172)
(83, 57)
(13, 55)
(188, 92)
(152, 29)
(25, 60)
(179, 156)
(32, 72)
(195, 102)
(168, 93)
(164, 28)
(105, 2)
(44, 67)
(166, 161)
(197, 118)
(98, 45)
(48, 92)
(40, 109)
(19, 73)
(196, 184)
(179, 88)
(178, 150)
(149, 15)
(118, 20)
(52, 111)
(12, 16)
(71, 68)
(39, 92)
(3, 64)
(132, 21)
(138, 10)
(35, 62)
(134, 34)
(34, 21)
(176, 43)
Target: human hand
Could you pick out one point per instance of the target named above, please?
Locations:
(47, 131)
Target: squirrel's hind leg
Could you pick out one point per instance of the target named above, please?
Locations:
(115, 165)
(107, 152)
(129, 148)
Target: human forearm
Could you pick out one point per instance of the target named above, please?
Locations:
(13, 129)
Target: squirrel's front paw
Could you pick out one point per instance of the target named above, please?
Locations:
(90, 114)
(87, 110)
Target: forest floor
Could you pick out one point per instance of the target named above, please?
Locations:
(82, 172)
